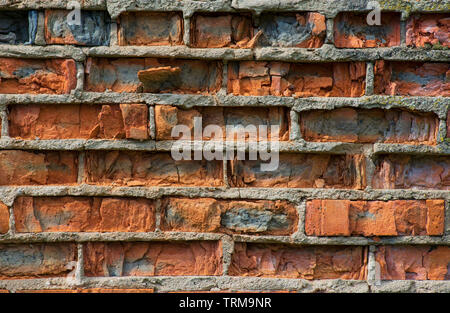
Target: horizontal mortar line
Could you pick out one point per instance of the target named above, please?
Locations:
(50, 237)
(211, 283)
(327, 53)
(426, 104)
(298, 146)
(296, 195)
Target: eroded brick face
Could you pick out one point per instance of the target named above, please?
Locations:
(38, 168)
(33, 76)
(149, 169)
(178, 76)
(412, 78)
(250, 78)
(301, 171)
(368, 126)
(428, 30)
(75, 121)
(167, 117)
(83, 214)
(407, 171)
(374, 218)
(42, 260)
(265, 260)
(150, 29)
(196, 258)
(4, 218)
(211, 215)
(352, 31)
(13, 27)
(414, 262)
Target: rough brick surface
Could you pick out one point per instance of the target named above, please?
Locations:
(367, 126)
(374, 218)
(149, 169)
(93, 31)
(302, 262)
(153, 259)
(37, 260)
(150, 29)
(211, 215)
(4, 218)
(83, 214)
(38, 168)
(13, 27)
(428, 30)
(251, 78)
(400, 171)
(18, 76)
(301, 171)
(412, 78)
(414, 262)
(121, 75)
(167, 117)
(352, 31)
(71, 121)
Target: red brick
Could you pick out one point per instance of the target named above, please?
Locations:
(414, 262)
(301, 171)
(4, 218)
(352, 31)
(221, 30)
(374, 218)
(423, 30)
(37, 260)
(256, 78)
(150, 29)
(412, 78)
(369, 126)
(448, 124)
(153, 258)
(93, 30)
(38, 168)
(89, 290)
(244, 216)
(70, 121)
(167, 117)
(83, 214)
(35, 76)
(330, 262)
(407, 171)
(121, 75)
(150, 169)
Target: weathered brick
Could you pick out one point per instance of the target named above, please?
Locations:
(210, 215)
(38, 168)
(448, 124)
(153, 258)
(301, 29)
(83, 214)
(93, 31)
(412, 78)
(167, 117)
(57, 121)
(368, 126)
(150, 28)
(4, 218)
(150, 169)
(159, 75)
(352, 31)
(301, 171)
(256, 78)
(408, 171)
(428, 30)
(88, 290)
(14, 27)
(36, 76)
(330, 262)
(374, 218)
(221, 30)
(37, 260)
(414, 262)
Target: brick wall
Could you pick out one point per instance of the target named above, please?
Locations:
(92, 201)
